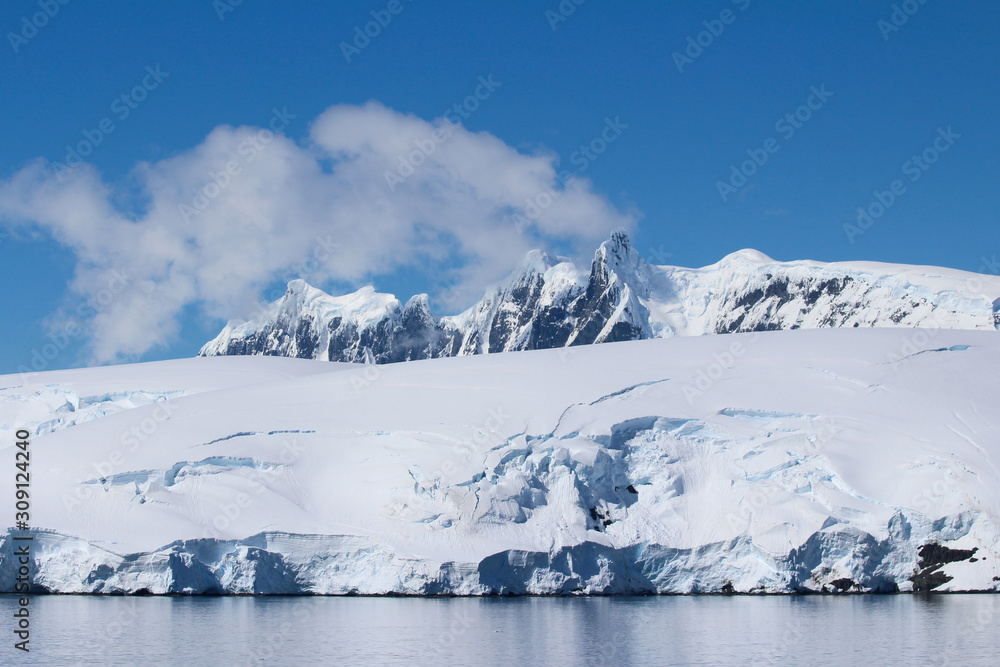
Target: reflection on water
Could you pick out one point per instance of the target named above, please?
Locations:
(711, 630)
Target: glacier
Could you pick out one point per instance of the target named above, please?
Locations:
(829, 460)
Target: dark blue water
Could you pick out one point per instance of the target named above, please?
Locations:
(856, 630)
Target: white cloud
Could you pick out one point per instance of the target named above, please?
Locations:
(283, 204)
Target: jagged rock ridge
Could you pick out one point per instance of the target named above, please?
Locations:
(548, 302)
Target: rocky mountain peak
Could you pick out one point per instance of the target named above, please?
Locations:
(548, 302)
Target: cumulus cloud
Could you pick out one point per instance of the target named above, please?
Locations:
(370, 191)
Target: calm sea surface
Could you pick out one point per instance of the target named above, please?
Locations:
(861, 631)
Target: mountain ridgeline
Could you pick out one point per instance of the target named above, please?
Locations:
(549, 302)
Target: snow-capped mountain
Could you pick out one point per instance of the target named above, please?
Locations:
(548, 302)
(827, 460)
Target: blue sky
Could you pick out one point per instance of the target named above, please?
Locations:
(675, 127)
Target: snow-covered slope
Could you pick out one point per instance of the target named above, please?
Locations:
(548, 303)
(48, 402)
(860, 459)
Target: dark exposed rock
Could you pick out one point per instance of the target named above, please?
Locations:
(937, 554)
(933, 556)
(534, 309)
(844, 584)
(926, 581)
